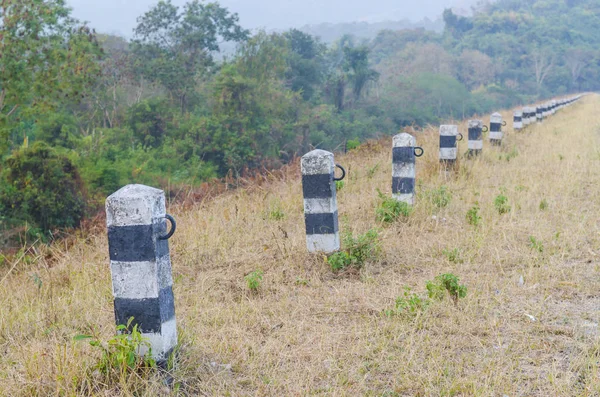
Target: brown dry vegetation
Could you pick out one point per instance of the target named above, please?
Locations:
(309, 331)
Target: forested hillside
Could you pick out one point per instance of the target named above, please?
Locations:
(83, 113)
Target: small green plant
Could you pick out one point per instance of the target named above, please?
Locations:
(446, 284)
(440, 198)
(352, 144)
(390, 209)
(511, 155)
(473, 216)
(408, 304)
(536, 244)
(371, 171)
(275, 212)
(339, 185)
(501, 204)
(254, 279)
(357, 251)
(543, 205)
(121, 354)
(453, 255)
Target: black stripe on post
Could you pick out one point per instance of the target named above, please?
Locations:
(448, 141)
(403, 154)
(518, 119)
(475, 134)
(317, 186)
(148, 314)
(403, 185)
(495, 127)
(131, 243)
(321, 223)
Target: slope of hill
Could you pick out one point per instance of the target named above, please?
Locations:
(528, 325)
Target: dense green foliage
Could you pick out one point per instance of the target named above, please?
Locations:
(167, 110)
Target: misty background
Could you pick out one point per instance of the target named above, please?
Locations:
(119, 16)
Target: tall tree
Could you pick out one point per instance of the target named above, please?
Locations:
(175, 47)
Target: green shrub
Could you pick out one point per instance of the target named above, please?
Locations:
(42, 186)
(120, 355)
(254, 280)
(501, 204)
(536, 244)
(356, 251)
(352, 144)
(339, 185)
(409, 304)
(390, 209)
(473, 216)
(543, 205)
(446, 284)
(453, 255)
(439, 198)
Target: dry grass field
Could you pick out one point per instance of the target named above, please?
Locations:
(527, 327)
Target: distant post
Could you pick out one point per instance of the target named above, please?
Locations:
(526, 116)
(404, 151)
(320, 202)
(140, 265)
(448, 144)
(539, 112)
(496, 133)
(518, 120)
(475, 137)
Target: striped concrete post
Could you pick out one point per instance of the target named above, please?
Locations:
(518, 120)
(140, 265)
(404, 152)
(320, 201)
(496, 133)
(449, 136)
(532, 115)
(553, 106)
(526, 119)
(539, 113)
(475, 137)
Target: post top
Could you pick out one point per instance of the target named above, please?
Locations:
(518, 112)
(135, 205)
(404, 140)
(448, 129)
(496, 118)
(475, 123)
(317, 162)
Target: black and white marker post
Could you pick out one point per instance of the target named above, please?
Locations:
(526, 115)
(476, 137)
(496, 133)
(320, 202)
(140, 265)
(449, 136)
(518, 120)
(404, 151)
(539, 113)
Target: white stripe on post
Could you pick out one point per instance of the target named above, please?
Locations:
(140, 266)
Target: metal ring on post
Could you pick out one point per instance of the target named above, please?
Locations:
(419, 148)
(343, 173)
(484, 128)
(173, 228)
(461, 137)
(504, 123)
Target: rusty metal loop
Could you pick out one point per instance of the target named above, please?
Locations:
(461, 137)
(343, 173)
(173, 228)
(504, 123)
(484, 128)
(421, 149)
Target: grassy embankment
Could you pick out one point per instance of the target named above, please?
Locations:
(309, 330)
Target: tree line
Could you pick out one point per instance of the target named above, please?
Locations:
(84, 113)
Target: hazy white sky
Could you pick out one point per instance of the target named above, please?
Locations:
(119, 16)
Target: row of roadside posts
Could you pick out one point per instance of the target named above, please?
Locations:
(139, 227)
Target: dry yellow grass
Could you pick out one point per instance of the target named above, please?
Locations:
(309, 331)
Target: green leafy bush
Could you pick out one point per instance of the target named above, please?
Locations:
(501, 204)
(352, 144)
(536, 244)
(339, 185)
(254, 280)
(446, 284)
(42, 186)
(543, 205)
(357, 251)
(120, 355)
(440, 197)
(409, 304)
(453, 255)
(473, 216)
(390, 209)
